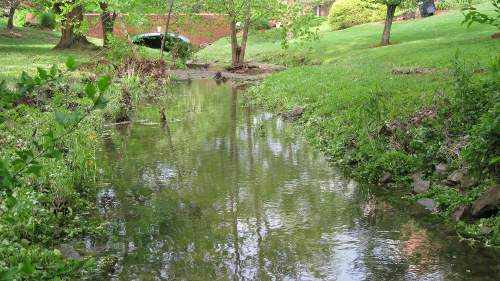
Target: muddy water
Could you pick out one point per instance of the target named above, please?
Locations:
(228, 193)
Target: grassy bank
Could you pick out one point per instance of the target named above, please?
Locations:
(422, 42)
(48, 170)
(34, 48)
(386, 113)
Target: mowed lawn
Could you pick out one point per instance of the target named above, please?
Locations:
(426, 41)
(335, 76)
(35, 48)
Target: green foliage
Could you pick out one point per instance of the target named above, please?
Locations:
(451, 4)
(482, 152)
(20, 17)
(347, 13)
(391, 2)
(119, 50)
(471, 99)
(48, 20)
(299, 28)
(353, 46)
(472, 15)
(261, 24)
(178, 48)
(40, 170)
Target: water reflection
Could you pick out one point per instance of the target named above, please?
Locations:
(227, 193)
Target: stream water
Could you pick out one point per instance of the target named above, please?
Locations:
(225, 192)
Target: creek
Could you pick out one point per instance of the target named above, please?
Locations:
(225, 191)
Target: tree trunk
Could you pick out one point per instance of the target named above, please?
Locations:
(69, 38)
(235, 48)
(107, 22)
(12, 12)
(391, 9)
(167, 26)
(246, 27)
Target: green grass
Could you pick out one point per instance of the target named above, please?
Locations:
(35, 48)
(424, 42)
(343, 68)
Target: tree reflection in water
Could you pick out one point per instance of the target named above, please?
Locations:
(223, 192)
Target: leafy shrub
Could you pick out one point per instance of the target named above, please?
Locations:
(119, 50)
(20, 17)
(261, 24)
(451, 4)
(48, 20)
(473, 15)
(471, 99)
(311, 21)
(178, 49)
(43, 159)
(482, 153)
(347, 13)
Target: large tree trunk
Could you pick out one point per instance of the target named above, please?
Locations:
(107, 22)
(12, 12)
(70, 38)
(391, 9)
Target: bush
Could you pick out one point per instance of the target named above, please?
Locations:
(451, 4)
(48, 20)
(347, 13)
(261, 24)
(20, 17)
(119, 50)
(482, 153)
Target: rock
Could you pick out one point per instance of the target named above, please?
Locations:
(458, 213)
(219, 77)
(454, 178)
(488, 203)
(389, 128)
(419, 184)
(386, 178)
(197, 65)
(429, 204)
(69, 252)
(459, 177)
(467, 182)
(441, 169)
(293, 115)
(486, 230)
